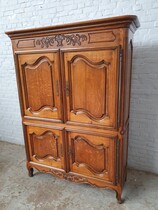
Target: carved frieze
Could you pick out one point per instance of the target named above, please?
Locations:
(63, 175)
(70, 39)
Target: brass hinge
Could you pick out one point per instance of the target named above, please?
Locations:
(121, 53)
(61, 150)
(70, 152)
(57, 88)
(117, 160)
(119, 92)
(67, 88)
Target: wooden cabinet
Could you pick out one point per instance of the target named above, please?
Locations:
(74, 89)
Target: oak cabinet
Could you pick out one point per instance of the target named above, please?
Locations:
(74, 89)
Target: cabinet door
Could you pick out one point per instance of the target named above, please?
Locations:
(40, 83)
(91, 84)
(92, 155)
(46, 146)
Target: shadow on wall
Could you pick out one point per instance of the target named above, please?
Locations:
(143, 137)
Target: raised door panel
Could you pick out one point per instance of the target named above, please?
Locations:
(91, 87)
(40, 82)
(46, 146)
(92, 155)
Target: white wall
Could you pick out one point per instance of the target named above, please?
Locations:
(19, 14)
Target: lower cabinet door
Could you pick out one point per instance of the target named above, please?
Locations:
(46, 146)
(93, 155)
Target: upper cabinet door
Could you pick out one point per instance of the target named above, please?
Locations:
(91, 87)
(40, 85)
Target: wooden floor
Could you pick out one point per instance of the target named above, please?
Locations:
(45, 192)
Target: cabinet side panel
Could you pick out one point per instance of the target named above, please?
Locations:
(126, 94)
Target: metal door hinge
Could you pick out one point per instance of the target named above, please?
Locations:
(57, 88)
(61, 150)
(121, 53)
(67, 88)
(70, 152)
(117, 159)
(119, 86)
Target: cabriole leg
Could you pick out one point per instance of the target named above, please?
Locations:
(30, 172)
(118, 196)
(30, 169)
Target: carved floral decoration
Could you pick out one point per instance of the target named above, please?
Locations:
(71, 39)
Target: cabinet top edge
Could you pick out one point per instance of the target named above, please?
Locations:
(126, 20)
